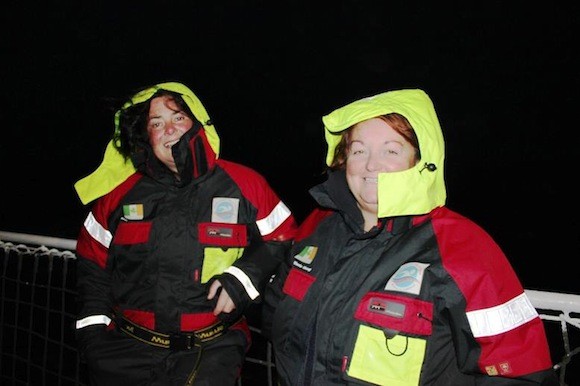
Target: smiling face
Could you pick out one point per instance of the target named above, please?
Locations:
(374, 148)
(166, 124)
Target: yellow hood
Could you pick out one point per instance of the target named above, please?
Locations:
(409, 192)
(115, 169)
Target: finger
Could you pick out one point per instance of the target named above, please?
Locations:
(230, 306)
(228, 303)
(220, 305)
(213, 289)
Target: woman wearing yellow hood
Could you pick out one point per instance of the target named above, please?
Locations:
(387, 286)
(175, 248)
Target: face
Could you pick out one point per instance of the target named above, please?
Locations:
(166, 124)
(375, 148)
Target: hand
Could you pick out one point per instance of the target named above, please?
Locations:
(224, 302)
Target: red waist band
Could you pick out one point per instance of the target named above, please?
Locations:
(189, 322)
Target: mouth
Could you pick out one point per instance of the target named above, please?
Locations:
(170, 143)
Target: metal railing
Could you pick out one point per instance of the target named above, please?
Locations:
(564, 309)
(37, 314)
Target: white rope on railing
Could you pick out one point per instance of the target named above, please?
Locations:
(564, 303)
(561, 306)
(39, 240)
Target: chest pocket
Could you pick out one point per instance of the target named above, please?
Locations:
(390, 345)
(222, 245)
(132, 233)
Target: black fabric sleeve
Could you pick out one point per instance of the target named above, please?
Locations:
(93, 286)
(272, 296)
(259, 262)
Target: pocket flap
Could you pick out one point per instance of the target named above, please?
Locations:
(398, 313)
(132, 233)
(297, 284)
(222, 234)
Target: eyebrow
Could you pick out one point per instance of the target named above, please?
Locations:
(384, 143)
(173, 114)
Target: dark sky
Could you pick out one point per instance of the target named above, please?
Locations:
(503, 78)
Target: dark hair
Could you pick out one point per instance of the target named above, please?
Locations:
(398, 122)
(132, 135)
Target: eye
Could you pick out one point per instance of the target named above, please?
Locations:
(393, 148)
(155, 124)
(357, 148)
(181, 118)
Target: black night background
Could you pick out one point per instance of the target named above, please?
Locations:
(503, 77)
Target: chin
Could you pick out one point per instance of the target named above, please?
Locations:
(370, 200)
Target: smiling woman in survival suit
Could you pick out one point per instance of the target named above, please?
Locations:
(387, 286)
(177, 245)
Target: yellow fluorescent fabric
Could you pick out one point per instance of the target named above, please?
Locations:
(216, 260)
(114, 170)
(409, 192)
(396, 362)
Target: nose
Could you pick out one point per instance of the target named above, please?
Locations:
(374, 163)
(169, 128)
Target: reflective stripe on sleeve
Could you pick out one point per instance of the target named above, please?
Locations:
(499, 319)
(245, 280)
(97, 231)
(272, 221)
(92, 320)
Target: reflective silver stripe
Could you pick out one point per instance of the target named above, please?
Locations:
(499, 319)
(96, 230)
(269, 223)
(245, 280)
(92, 320)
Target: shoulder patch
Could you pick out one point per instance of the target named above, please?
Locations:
(408, 278)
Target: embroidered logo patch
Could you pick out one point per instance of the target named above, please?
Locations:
(215, 231)
(505, 368)
(386, 307)
(408, 278)
(225, 209)
(307, 254)
(133, 211)
(491, 370)
(305, 257)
